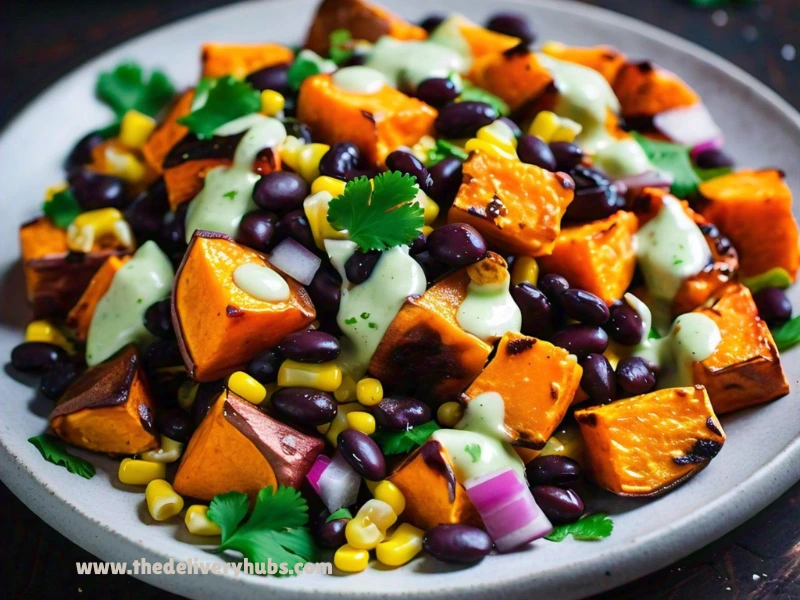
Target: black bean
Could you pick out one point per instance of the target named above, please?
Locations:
(456, 244)
(57, 378)
(162, 354)
(176, 424)
(309, 346)
(146, 211)
(206, 395)
(774, 305)
(431, 22)
(264, 367)
(306, 407)
(295, 225)
(360, 265)
(362, 453)
(567, 155)
(537, 312)
(553, 286)
(432, 267)
(172, 235)
(407, 163)
(81, 153)
(560, 471)
(581, 340)
(559, 505)
(341, 161)
(331, 534)
(593, 203)
(534, 151)
(513, 24)
(158, 319)
(326, 290)
(36, 356)
(585, 307)
(463, 119)
(588, 177)
(280, 192)
(624, 325)
(446, 175)
(400, 413)
(457, 544)
(418, 245)
(713, 159)
(635, 376)
(297, 129)
(437, 91)
(257, 230)
(271, 78)
(598, 379)
(95, 190)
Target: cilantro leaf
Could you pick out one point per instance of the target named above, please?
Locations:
(340, 46)
(471, 93)
(402, 442)
(127, 88)
(590, 528)
(342, 513)
(673, 159)
(54, 451)
(228, 99)
(774, 277)
(474, 451)
(62, 208)
(787, 335)
(706, 174)
(653, 334)
(444, 149)
(379, 218)
(306, 64)
(275, 530)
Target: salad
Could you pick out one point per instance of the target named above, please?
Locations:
(405, 288)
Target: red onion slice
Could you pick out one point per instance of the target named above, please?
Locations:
(335, 481)
(651, 178)
(713, 144)
(295, 260)
(688, 125)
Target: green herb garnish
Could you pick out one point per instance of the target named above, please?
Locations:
(472, 93)
(474, 451)
(351, 321)
(307, 64)
(379, 218)
(342, 513)
(673, 159)
(776, 277)
(787, 335)
(127, 88)
(227, 99)
(54, 451)
(230, 195)
(590, 528)
(653, 334)
(62, 208)
(706, 174)
(365, 315)
(402, 442)
(340, 46)
(445, 149)
(372, 325)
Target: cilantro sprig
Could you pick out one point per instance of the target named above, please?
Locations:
(62, 208)
(275, 530)
(444, 149)
(673, 159)
(379, 218)
(54, 451)
(227, 99)
(787, 335)
(402, 442)
(590, 528)
(128, 88)
(341, 46)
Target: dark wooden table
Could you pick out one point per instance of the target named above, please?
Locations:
(43, 40)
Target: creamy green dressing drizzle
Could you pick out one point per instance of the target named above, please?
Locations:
(670, 248)
(261, 282)
(480, 442)
(366, 310)
(489, 311)
(227, 192)
(359, 80)
(119, 317)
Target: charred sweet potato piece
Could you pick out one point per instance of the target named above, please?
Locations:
(606, 60)
(647, 445)
(644, 90)
(364, 21)
(516, 77)
(108, 408)
(170, 132)
(481, 41)
(516, 206)
(80, 317)
(221, 327)
(425, 353)
(754, 209)
(745, 369)
(433, 496)
(239, 448)
(537, 382)
(239, 60)
(185, 181)
(597, 256)
(377, 123)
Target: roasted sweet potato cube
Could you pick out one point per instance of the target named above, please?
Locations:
(481, 41)
(377, 123)
(433, 496)
(516, 206)
(597, 257)
(754, 209)
(239, 60)
(644, 90)
(80, 317)
(649, 444)
(516, 77)
(108, 408)
(221, 327)
(169, 133)
(364, 21)
(185, 181)
(239, 448)
(606, 60)
(537, 382)
(745, 369)
(425, 353)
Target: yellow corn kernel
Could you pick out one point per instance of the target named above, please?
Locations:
(427, 230)
(553, 47)
(53, 190)
(553, 446)
(326, 377)
(44, 331)
(323, 183)
(369, 391)
(140, 472)
(492, 149)
(421, 149)
(544, 125)
(351, 560)
(361, 421)
(430, 208)
(169, 452)
(135, 128)
(242, 384)
(368, 528)
(95, 225)
(403, 545)
(339, 424)
(290, 151)
(198, 523)
(187, 392)
(525, 269)
(316, 210)
(567, 131)
(125, 165)
(272, 103)
(499, 134)
(308, 160)
(567, 442)
(162, 501)
(449, 414)
(391, 494)
(347, 391)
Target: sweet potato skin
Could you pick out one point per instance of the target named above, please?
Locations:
(644, 90)
(745, 369)
(169, 133)
(239, 60)
(537, 381)
(606, 60)
(516, 77)
(80, 317)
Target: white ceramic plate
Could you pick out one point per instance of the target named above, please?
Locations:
(760, 460)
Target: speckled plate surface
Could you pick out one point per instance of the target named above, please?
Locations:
(760, 460)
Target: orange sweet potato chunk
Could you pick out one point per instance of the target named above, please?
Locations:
(169, 133)
(649, 444)
(644, 90)
(80, 317)
(185, 181)
(606, 60)
(516, 77)
(537, 382)
(239, 60)
(597, 256)
(220, 326)
(745, 370)
(516, 206)
(425, 353)
(364, 21)
(754, 209)
(377, 123)
(433, 496)
(484, 42)
(108, 408)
